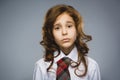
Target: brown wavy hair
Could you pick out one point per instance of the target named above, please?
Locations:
(48, 41)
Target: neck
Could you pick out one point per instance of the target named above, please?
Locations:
(66, 51)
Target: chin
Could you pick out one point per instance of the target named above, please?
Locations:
(67, 45)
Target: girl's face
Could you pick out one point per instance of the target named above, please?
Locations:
(64, 31)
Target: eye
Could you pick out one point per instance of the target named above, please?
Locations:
(69, 26)
(57, 28)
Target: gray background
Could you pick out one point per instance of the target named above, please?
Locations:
(20, 34)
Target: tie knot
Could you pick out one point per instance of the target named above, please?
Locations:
(65, 61)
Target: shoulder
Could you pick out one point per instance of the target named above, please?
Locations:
(93, 69)
(42, 63)
(91, 60)
(92, 64)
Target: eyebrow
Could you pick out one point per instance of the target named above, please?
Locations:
(57, 24)
(66, 22)
(70, 22)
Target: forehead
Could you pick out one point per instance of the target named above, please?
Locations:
(63, 18)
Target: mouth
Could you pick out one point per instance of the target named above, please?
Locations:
(65, 40)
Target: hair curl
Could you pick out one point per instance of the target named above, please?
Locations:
(48, 41)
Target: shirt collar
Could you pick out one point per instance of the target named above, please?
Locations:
(72, 55)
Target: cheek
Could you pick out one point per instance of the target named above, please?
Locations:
(75, 36)
(56, 35)
(73, 33)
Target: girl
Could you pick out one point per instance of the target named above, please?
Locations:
(65, 44)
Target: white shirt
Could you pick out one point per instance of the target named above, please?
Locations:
(40, 71)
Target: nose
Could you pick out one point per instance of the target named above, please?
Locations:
(64, 31)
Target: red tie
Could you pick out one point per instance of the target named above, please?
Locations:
(62, 69)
